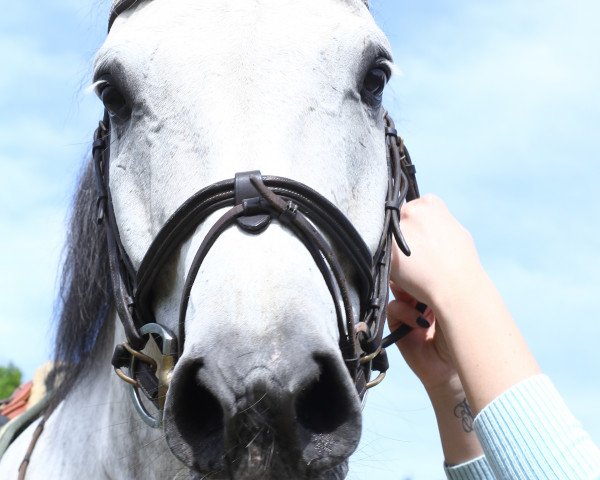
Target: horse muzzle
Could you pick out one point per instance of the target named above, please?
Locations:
(246, 420)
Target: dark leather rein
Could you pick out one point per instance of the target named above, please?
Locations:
(253, 201)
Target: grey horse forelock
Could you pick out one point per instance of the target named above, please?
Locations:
(116, 3)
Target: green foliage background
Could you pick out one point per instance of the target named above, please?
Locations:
(10, 378)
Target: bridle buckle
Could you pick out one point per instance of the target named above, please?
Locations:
(161, 360)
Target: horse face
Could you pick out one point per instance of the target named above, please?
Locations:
(198, 91)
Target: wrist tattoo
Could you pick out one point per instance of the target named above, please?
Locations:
(463, 412)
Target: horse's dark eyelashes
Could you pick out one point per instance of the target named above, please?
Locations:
(374, 83)
(115, 102)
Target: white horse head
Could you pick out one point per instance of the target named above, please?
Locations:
(198, 91)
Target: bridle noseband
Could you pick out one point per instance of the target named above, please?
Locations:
(253, 202)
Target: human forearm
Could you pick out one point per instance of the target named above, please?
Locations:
(455, 423)
(484, 341)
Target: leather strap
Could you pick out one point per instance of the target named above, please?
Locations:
(34, 439)
(254, 201)
(247, 194)
(122, 273)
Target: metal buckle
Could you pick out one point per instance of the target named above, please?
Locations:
(368, 359)
(162, 361)
(141, 357)
(377, 381)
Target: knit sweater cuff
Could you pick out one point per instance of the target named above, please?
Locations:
(528, 432)
(476, 469)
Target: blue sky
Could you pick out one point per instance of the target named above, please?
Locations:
(500, 107)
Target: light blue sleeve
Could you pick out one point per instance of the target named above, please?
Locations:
(476, 469)
(528, 432)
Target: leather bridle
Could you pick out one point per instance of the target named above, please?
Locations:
(253, 201)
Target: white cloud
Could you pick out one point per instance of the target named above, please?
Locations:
(500, 52)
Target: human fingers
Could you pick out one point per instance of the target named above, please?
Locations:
(401, 295)
(400, 312)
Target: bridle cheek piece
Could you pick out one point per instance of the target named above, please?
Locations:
(253, 201)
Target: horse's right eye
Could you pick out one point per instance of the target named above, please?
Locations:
(373, 86)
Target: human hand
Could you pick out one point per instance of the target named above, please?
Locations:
(424, 349)
(444, 271)
(443, 262)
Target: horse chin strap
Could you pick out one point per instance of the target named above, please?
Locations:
(252, 202)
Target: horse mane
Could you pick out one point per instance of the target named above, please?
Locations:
(85, 297)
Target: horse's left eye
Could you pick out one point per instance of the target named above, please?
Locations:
(114, 101)
(374, 84)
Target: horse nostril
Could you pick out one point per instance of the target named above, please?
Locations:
(198, 417)
(207, 417)
(323, 405)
